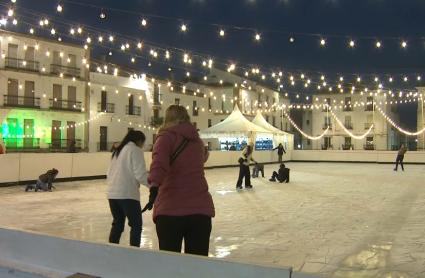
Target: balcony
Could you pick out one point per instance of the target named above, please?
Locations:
(15, 63)
(327, 147)
(325, 126)
(369, 147)
(156, 121)
(67, 71)
(367, 125)
(368, 107)
(347, 147)
(348, 108)
(133, 110)
(108, 108)
(19, 101)
(348, 125)
(21, 144)
(66, 105)
(65, 145)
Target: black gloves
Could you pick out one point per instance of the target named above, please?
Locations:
(153, 192)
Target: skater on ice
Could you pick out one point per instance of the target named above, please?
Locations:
(183, 207)
(400, 157)
(126, 172)
(244, 172)
(44, 182)
(280, 151)
(282, 175)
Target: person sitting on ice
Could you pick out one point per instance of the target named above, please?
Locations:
(282, 175)
(44, 182)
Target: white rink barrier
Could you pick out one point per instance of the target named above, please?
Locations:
(356, 156)
(16, 167)
(57, 255)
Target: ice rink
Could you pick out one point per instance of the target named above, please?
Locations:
(332, 219)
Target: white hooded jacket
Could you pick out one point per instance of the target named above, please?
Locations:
(126, 173)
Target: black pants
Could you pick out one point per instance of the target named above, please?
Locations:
(276, 176)
(256, 171)
(244, 173)
(195, 230)
(398, 160)
(280, 157)
(131, 210)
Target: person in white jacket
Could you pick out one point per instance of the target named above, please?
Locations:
(126, 172)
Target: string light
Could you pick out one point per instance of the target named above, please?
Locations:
(378, 44)
(59, 8)
(357, 137)
(389, 120)
(10, 13)
(183, 28)
(144, 22)
(314, 138)
(221, 33)
(291, 39)
(352, 44)
(403, 44)
(322, 42)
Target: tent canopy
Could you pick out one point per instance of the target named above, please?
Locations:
(260, 121)
(234, 125)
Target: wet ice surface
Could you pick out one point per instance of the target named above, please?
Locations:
(336, 220)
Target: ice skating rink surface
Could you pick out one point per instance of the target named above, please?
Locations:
(332, 219)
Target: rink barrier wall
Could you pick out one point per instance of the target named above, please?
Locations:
(104, 260)
(23, 168)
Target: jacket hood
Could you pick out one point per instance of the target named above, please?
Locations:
(186, 130)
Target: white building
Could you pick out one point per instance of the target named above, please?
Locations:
(44, 85)
(357, 113)
(420, 119)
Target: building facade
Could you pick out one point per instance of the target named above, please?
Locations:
(44, 101)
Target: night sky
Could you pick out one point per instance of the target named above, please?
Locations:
(365, 21)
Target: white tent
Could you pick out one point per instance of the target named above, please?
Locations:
(234, 125)
(280, 136)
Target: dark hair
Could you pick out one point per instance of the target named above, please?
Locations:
(134, 136)
(282, 165)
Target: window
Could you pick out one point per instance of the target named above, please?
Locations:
(156, 96)
(369, 104)
(209, 103)
(72, 61)
(347, 141)
(348, 123)
(347, 104)
(308, 142)
(259, 100)
(177, 101)
(209, 123)
(307, 122)
(274, 120)
(369, 140)
(327, 122)
(195, 108)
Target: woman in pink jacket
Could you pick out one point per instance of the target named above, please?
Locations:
(183, 208)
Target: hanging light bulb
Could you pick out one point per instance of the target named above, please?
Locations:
(322, 42)
(100, 39)
(102, 15)
(183, 28)
(53, 31)
(144, 22)
(15, 21)
(352, 44)
(221, 33)
(257, 37)
(291, 39)
(378, 44)
(79, 30)
(111, 38)
(403, 44)
(139, 45)
(31, 31)
(72, 31)
(10, 12)
(59, 8)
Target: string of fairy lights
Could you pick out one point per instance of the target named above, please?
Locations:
(209, 62)
(223, 31)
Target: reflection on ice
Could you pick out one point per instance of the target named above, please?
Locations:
(224, 251)
(224, 192)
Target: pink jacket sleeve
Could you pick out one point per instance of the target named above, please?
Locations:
(160, 159)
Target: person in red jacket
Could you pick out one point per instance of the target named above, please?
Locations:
(183, 207)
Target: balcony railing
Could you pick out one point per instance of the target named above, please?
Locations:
(68, 105)
(108, 108)
(65, 144)
(348, 108)
(15, 63)
(20, 101)
(368, 107)
(369, 147)
(348, 125)
(17, 144)
(325, 126)
(346, 147)
(134, 110)
(156, 121)
(327, 147)
(367, 125)
(69, 71)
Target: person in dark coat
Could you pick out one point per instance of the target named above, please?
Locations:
(280, 151)
(44, 182)
(400, 157)
(282, 175)
(244, 171)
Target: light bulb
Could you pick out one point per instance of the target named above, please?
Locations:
(102, 15)
(291, 39)
(59, 8)
(14, 22)
(53, 31)
(403, 44)
(72, 31)
(31, 31)
(10, 12)
(111, 38)
(352, 44)
(139, 45)
(79, 30)
(221, 33)
(257, 37)
(100, 39)
(322, 42)
(144, 22)
(183, 27)
(378, 44)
